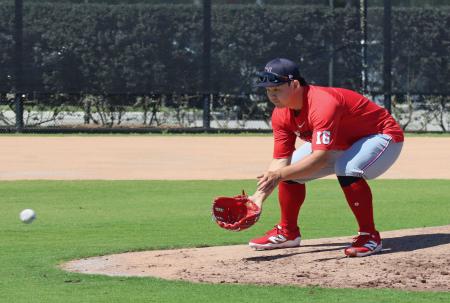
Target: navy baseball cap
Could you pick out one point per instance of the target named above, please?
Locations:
(277, 72)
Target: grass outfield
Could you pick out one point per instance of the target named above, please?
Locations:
(86, 218)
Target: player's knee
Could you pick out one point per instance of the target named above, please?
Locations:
(347, 180)
(348, 169)
(340, 167)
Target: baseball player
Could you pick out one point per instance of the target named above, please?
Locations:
(345, 134)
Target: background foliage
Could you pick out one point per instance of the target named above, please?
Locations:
(158, 48)
(337, 3)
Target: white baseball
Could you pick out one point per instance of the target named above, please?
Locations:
(27, 216)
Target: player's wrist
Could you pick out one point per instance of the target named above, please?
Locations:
(256, 198)
(281, 174)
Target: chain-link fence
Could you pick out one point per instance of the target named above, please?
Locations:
(190, 65)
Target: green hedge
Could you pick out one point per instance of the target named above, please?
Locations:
(420, 50)
(141, 48)
(337, 3)
(106, 48)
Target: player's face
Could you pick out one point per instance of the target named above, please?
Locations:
(281, 95)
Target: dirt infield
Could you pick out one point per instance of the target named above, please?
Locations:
(417, 259)
(179, 157)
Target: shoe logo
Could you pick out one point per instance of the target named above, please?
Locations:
(371, 245)
(277, 239)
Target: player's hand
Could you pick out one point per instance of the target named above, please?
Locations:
(268, 181)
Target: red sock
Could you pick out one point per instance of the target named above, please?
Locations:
(359, 198)
(290, 197)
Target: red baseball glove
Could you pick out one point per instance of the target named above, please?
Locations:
(235, 213)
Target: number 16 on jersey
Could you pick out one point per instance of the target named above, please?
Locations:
(323, 137)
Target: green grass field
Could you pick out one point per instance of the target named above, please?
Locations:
(86, 218)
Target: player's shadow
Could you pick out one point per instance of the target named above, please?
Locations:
(414, 242)
(280, 256)
(390, 246)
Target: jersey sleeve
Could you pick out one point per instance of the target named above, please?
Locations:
(325, 117)
(284, 138)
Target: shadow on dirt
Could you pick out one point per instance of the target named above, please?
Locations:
(280, 256)
(390, 245)
(411, 243)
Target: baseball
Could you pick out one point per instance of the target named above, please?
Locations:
(27, 216)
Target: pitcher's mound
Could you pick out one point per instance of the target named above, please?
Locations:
(413, 259)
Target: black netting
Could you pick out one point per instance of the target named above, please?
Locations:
(95, 63)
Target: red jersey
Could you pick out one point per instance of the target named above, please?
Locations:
(331, 119)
